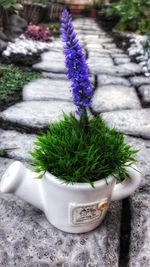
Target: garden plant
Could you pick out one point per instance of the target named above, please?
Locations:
(12, 79)
(11, 4)
(81, 148)
(132, 15)
(82, 161)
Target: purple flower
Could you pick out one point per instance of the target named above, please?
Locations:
(76, 65)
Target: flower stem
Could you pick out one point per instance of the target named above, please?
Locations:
(84, 121)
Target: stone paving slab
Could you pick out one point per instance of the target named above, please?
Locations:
(4, 164)
(140, 80)
(17, 145)
(144, 92)
(53, 56)
(114, 51)
(37, 114)
(105, 79)
(91, 39)
(121, 60)
(93, 46)
(139, 254)
(29, 240)
(102, 61)
(98, 53)
(55, 76)
(127, 69)
(119, 55)
(115, 97)
(89, 32)
(56, 44)
(56, 67)
(143, 157)
(109, 45)
(46, 89)
(96, 56)
(132, 122)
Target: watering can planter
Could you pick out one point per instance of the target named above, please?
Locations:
(76, 208)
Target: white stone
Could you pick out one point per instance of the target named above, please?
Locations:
(37, 114)
(133, 122)
(17, 145)
(115, 97)
(47, 89)
(55, 67)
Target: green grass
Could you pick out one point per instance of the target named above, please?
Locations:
(12, 79)
(73, 156)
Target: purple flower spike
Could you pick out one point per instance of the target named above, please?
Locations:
(76, 65)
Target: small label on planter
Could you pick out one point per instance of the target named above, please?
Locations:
(87, 213)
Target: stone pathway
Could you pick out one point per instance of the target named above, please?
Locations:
(123, 97)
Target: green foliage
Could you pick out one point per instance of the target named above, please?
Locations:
(47, 1)
(11, 80)
(53, 27)
(2, 152)
(73, 156)
(132, 15)
(97, 4)
(11, 4)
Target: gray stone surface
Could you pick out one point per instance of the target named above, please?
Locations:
(47, 89)
(28, 240)
(144, 92)
(4, 164)
(17, 145)
(132, 122)
(127, 69)
(139, 254)
(140, 80)
(109, 45)
(55, 67)
(93, 46)
(54, 76)
(117, 55)
(52, 56)
(114, 97)
(114, 51)
(142, 156)
(102, 61)
(121, 60)
(98, 53)
(105, 79)
(37, 114)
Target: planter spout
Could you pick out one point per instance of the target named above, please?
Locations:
(23, 183)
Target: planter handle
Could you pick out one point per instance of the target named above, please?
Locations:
(129, 185)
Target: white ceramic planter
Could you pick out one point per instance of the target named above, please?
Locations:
(74, 208)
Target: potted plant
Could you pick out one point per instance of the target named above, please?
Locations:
(82, 164)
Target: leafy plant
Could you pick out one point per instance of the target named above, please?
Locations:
(69, 154)
(80, 149)
(132, 14)
(11, 80)
(11, 4)
(38, 33)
